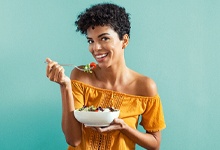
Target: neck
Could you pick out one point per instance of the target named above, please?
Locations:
(114, 75)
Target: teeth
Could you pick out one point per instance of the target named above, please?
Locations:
(100, 56)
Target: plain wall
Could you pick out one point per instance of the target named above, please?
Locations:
(174, 42)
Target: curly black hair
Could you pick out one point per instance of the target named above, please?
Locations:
(104, 14)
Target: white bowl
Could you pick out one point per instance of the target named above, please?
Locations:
(96, 119)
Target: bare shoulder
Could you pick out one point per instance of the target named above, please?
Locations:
(81, 76)
(145, 85)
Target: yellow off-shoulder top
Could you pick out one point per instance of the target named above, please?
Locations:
(131, 107)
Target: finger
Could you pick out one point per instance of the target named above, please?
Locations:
(51, 75)
(54, 71)
(50, 67)
(50, 72)
(93, 128)
(98, 130)
(57, 73)
(116, 121)
(105, 129)
(48, 60)
(61, 73)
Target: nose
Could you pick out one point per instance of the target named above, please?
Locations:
(96, 46)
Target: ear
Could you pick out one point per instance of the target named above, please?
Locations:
(125, 41)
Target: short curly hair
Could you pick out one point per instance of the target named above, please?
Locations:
(105, 14)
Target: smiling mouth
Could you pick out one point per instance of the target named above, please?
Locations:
(101, 56)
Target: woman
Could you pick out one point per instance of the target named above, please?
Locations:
(111, 83)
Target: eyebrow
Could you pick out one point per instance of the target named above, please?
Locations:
(99, 35)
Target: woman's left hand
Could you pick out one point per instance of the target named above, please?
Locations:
(117, 124)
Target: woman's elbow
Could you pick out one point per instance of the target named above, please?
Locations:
(155, 148)
(72, 142)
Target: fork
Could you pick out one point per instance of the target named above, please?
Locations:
(69, 65)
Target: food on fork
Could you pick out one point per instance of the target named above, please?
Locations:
(88, 68)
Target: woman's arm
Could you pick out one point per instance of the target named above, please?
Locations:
(150, 141)
(70, 126)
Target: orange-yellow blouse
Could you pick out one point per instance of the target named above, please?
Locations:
(131, 107)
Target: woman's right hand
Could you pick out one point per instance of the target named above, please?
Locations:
(55, 72)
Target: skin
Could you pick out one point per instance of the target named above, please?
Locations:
(111, 73)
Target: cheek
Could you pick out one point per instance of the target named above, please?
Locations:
(107, 46)
(90, 48)
(114, 44)
(117, 45)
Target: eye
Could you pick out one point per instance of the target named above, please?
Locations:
(90, 41)
(104, 39)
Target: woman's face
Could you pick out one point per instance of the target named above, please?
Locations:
(105, 45)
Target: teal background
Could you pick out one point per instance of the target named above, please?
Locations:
(174, 42)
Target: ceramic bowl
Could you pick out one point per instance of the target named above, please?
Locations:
(96, 119)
